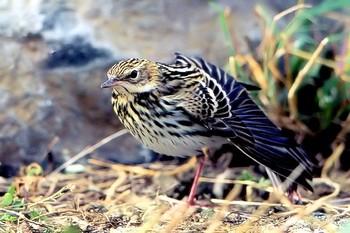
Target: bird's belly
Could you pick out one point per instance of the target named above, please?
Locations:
(178, 143)
(182, 146)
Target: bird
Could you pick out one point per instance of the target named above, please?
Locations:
(190, 107)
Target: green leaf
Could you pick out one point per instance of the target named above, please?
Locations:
(72, 229)
(17, 203)
(7, 199)
(34, 214)
(8, 217)
(247, 176)
(223, 23)
(330, 98)
(264, 182)
(11, 190)
(207, 213)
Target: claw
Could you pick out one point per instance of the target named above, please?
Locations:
(292, 193)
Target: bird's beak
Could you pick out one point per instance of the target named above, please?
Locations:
(110, 83)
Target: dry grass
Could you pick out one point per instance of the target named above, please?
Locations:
(110, 197)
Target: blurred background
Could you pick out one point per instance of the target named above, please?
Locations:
(55, 53)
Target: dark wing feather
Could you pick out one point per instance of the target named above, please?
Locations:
(254, 134)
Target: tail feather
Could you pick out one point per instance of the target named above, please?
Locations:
(287, 171)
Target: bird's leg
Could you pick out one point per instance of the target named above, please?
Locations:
(194, 187)
(199, 169)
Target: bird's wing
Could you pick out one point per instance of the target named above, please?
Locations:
(206, 101)
(253, 133)
(227, 101)
(211, 101)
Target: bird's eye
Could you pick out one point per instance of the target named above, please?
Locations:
(133, 74)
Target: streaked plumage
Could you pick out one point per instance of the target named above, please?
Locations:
(177, 109)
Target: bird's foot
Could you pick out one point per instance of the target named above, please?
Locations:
(295, 193)
(199, 204)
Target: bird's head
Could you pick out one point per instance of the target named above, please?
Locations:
(133, 76)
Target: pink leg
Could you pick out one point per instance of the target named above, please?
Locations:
(194, 187)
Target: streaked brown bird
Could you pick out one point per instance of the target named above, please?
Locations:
(178, 109)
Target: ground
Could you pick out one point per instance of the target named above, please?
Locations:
(109, 197)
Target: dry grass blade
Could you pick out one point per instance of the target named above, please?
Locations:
(257, 72)
(110, 192)
(179, 215)
(307, 56)
(220, 214)
(300, 77)
(290, 10)
(332, 159)
(145, 171)
(54, 196)
(240, 182)
(232, 62)
(245, 203)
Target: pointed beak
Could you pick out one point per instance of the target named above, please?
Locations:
(110, 83)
